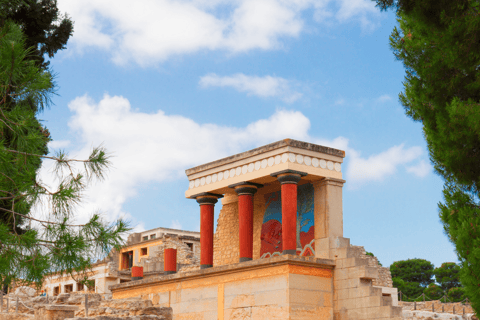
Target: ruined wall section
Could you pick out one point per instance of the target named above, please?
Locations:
(384, 276)
(185, 256)
(226, 238)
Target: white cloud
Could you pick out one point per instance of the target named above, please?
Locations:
(384, 98)
(151, 31)
(378, 167)
(176, 225)
(264, 87)
(340, 101)
(155, 148)
(422, 169)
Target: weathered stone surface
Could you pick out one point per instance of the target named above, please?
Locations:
(25, 291)
(428, 315)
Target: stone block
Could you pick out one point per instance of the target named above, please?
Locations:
(200, 293)
(256, 285)
(240, 301)
(269, 313)
(306, 282)
(306, 312)
(195, 306)
(364, 292)
(307, 297)
(276, 297)
(238, 314)
(354, 262)
(369, 302)
(341, 274)
(342, 294)
(363, 272)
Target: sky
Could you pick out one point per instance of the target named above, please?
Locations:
(168, 85)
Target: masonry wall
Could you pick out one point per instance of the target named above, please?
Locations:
(384, 276)
(226, 238)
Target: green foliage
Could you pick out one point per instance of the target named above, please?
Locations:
(413, 270)
(461, 218)
(410, 290)
(433, 292)
(45, 29)
(447, 275)
(438, 43)
(456, 294)
(34, 244)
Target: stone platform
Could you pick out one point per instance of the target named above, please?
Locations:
(281, 287)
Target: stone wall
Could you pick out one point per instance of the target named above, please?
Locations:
(384, 276)
(185, 256)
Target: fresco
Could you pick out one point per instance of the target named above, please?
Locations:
(271, 235)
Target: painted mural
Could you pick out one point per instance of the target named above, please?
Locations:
(271, 235)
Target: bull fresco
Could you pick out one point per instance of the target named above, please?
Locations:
(271, 234)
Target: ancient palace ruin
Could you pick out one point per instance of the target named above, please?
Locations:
(278, 251)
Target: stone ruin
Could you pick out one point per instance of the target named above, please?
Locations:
(72, 307)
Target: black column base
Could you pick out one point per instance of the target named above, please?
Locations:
(205, 266)
(169, 272)
(293, 252)
(244, 259)
(137, 278)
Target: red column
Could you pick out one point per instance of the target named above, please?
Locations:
(245, 193)
(137, 273)
(207, 203)
(289, 180)
(289, 218)
(170, 261)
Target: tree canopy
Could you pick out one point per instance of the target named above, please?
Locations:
(438, 43)
(34, 244)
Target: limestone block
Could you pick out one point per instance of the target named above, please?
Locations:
(364, 292)
(240, 301)
(256, 285)
(195, 306)
(369, 302)
(305, 312)
(274, 298)
(307, 282)
(269, 313)
(238, 313)
(307, 297)
(354, 262)
(363, 272)
(24, 291)
(199, 293)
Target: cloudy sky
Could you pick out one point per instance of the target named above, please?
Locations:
(167, 85)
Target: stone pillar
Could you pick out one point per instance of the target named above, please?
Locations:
(289, 180)
(245, 192)
(170, 261)
(207, 202)
(328, 216)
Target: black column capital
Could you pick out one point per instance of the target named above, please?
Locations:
(206, 198)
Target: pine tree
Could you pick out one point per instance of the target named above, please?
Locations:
(438, 43)
(32, 245)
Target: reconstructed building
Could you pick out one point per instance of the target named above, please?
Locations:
(278, 251)
(142, 249)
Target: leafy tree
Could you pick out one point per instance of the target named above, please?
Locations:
(447, 275)
(47, 31)
(45, 28)
(413, 270)
(456, 294)
(409, 290)
(50, 241)
(433, 292)
(438, 43)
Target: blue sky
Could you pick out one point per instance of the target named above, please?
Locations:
(167, 85)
